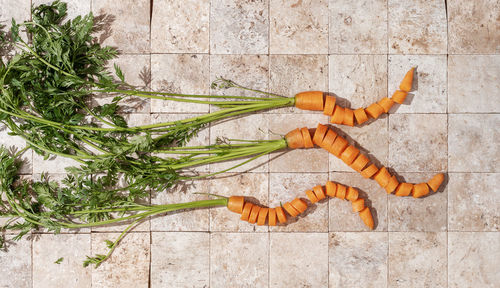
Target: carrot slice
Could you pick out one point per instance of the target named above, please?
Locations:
(338, 115)
(352, 194)
(407, 81)
(331, 188)
(382, 177)
(348, 117)
(399, 96)
(358, 205)
(386, 104)
(271, 221)
(281, 214)
(349, 154)
(306, 135)
(294, 139)
(404, 189)
(369, 171)
(312, 197)
(299, 205)
(246, 211)
(392, 185)
(261, 219)
(329, 105)
(436, 181)
(328, 140)
(338, 146)
(290, 209)
(309, 100)
(254, 214)
(319, 134)
(341, 191)
(320, 193)
(360, 162)
(366, 216)
(420, 190)
(360, 115)
(236, 203)
(374, 110)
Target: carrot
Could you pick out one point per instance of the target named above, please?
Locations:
(407, 82)
(328, 140)
(309, 100)
(420, 190)
(358, 205)
(246, 211)
(352, 194)
(312, 197)
(360, 115)
(319, 134)
(369, 171)
(294, 139)
(404, 189)
(299, 205)
(261, 219)
(382, 177)
(280, 214)
(254, 214)
(349, 154)
(399, 96)
(338, 115)
(236, 203)
(272, 217)
(436, 181)
(341, 190)
(386, 104)
(348, 117)
(392, 185)
(338, 146)
(329, 105)
(306, 135)
(360, 162)
(290, 209)
(320, 193)
(331, 188)
(366, 216)
(374, 110)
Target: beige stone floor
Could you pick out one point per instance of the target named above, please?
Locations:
(358, 50)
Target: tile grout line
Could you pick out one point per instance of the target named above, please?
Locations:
(151, 3)
(268, 166)
(328, 165)
(209, 142)
(388, 143)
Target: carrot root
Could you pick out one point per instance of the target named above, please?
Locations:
(436, 181)
(420, 190)
(261, 219)
(349, 154)
(338, 115)
(407, 82)
(319, 134)
(306, 135)
(352, 194)
(294, 139)
(236, 203)
(312, 197)
(320, 193)
(331, 188)
(246, 211)
(329, 105)
(271, 217)
(366, 216)
(399, 96)
(358, 205)
(299, 205)
(374, 110)
(309, 100)
(290, 209)
(280, 214)
(360, 115)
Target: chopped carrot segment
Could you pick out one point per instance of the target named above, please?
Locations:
(312, 197)
(358, 205)
(306, 135)
(236, 203)
(348, 117)
(392, 185)
(294, 139)
(272, 217)
(374, 110)
(319, 134)
(366, 216)
(420, 190)
(338, 146)
(309, 100)
(331, 188)
(369, 171)
(329, 105)
(404, 189)
(290, 209)
(382, 177)
(352, 194)
(246, 211)
(349, 154)
(254, 214)
(399, 96)
(328, 140)
(261, 219)
(338, 115)
(299, 205)
(360, 162)
(320, 193)
(360, 115)
(386, 104)
(341, 191)
(407, 81)
(281, 214)
(436, 181)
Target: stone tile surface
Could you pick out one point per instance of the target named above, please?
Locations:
(14, 144)
(16, 264)
(75, 7)
(20, 12)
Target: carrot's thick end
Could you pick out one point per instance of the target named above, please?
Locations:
(236, 203)
(309, 100)
(295, 139)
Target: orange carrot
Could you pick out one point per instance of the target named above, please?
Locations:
(349, 154)
(306, 135)
(281, 215)
(272, 217)
(338, 115)
(309, 100)
(254, 214)
(404, 189)
(290, 209)
(369, 171)
(366, 216)
(235, 204)
(352, 194)
(420, 190)
(246, 211)
(299, 205)
(392, 185)
(338, 146)
(374, 110)
(328, 140)
(319, 134)
(382, 177)
(399, 96)
(386, 104)
(360, 115)
(320, 193)
(312, 197)
(341, 191)
(331, 188)
(348, 117)
(358, 205)
(294, 139)
(261, 219)
(360, 162)
(329, 105)
(436, 181)
(407, 81)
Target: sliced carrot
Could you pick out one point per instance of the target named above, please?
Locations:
(399, 96)
(271, 221)
(320, 193)
(358, 205)
(374, 110)
(290, 209)
(404, 189)
(309, 100)
(386, 104)
(261, 219)
(236, 203)
(299, 205)
(436, 181)
(254, 214)
(280, 214)
(312, 197)
(369, 171)
(420, 190)
(306, 135)
(366, 216)
(349, 154)
(246, 211)
(341, 191)
(319, 134)
(352, 194)
(338, 115)
(331, 188)
(382, 177)
(329, 105)
(407, 81)
(392, 185)
(360, 115)
(338, 146)
(328, 140)
(294, 139)
(360, 162)
(348, 117)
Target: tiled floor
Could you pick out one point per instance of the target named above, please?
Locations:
(358, 50)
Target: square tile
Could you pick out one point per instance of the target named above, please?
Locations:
(417, 27)
(54, 164)
(417, 142)
(473, 259)
(180, 26)
(429, 93)
(14, 144)
(75, 7)
(473, 26)
(473, 203)
(180, 259)
(16, 263)
(301, 263)
(298, 27)
(239, 27)
(358, 27)
(473, 83)
(470, 142)
(246, 264)
(417, 259)
(70, 271)
(20, 12)
(350, 253)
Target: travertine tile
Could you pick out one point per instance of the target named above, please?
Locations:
(284, 187)
(15, 144)
(125, 28)
(417, 27)
(342, 218)
(417, 259)
(15, 263)
(180, 26)
(473, 26)
(358, 27)
(471, 144)
(473, 259)
(179, 73)
(417, 142)
(426, 214)
(56, 164)
(239, 27)
(301, 263)
(19, 11)
(75, 7)
(473, 203)
(474, 83)
(70, 271)
(180, 259)
(254, 186)
(356, 258)
(129, 263)
(299, 27)
(429, 93)
(245, 264)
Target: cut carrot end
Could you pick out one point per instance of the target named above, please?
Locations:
(399, 96)
(348, 117)
(309, 100)
(352, 194)
(374, 110)
(328, 140)
(319, 134)
(420, 190)
(299, 205)
(236, 203)
(254, 214)
(290, 209)
(338, 115)
(382, 177)
(360, 115)
(294, 139)
(280, 214)
(341, 191)
(261, 219)
(331, 188)
(246, 211)
(312, 197)
(271, 221)
(392, 185)
(360, 162)
(319, 192)
(366, 216)
(407, 82)
(404, 189)
(306, 135)
(358, 205)
(329, 105)
(436, 181)
(369, 171)
(386, 104)
(349, 154)
(338, 146)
